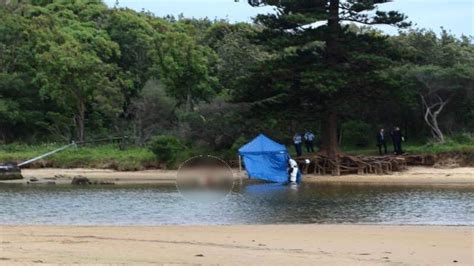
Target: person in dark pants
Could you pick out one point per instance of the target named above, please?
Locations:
(309, 141)
(381, 141)
(397, 139)
(297, 140)
(393, 140)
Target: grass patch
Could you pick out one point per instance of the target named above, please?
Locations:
(411, 148)
(103, 156)
(139, 158)
(441, 148)
(408, 147)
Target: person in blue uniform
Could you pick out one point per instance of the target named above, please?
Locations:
(309, 141)
(297, 141)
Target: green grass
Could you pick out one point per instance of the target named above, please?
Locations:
(434, 149)
(140, 158)
(412, 148)
(103, 156)
(409, 148)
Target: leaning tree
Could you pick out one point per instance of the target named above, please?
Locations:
(331, 64)
(436, 87)
(439, 71)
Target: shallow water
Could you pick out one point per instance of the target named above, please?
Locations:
(251, 204)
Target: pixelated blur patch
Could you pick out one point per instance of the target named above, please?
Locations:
(204, 178)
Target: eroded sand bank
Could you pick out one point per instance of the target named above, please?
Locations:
(239, 245)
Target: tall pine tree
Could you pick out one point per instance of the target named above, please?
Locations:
(329, 63)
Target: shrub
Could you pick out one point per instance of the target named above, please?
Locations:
(464, 138)
(356, 133)
(166, 149)
(238, 143)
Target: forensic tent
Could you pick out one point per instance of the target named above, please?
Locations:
(265, 159)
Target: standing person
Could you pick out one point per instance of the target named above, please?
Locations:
(309, 141)
(381, 141)
(293, 171)
(397, 138)
(297, 139)
(392, 136)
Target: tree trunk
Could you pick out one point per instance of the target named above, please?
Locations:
(431, 116)
(333, 34)
(79, 120)
(437, 131)
(329, 145)
(339, 142)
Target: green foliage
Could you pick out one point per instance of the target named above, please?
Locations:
(77, 50)
(80, 70)
(413, 148)
(464, 138)
(153, 111)
(18, 105)
(238, 143)
(357, 133)
(166, 149)
(185, 66)
(237, 55)
(450, 145)
(440, 72)
(134, 35)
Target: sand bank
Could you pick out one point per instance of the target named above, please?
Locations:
(415, 175)
(239, 245)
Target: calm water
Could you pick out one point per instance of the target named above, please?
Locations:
(252, 204)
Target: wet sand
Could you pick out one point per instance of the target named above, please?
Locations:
(239, 245)
(463, 176)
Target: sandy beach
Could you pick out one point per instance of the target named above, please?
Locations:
(239, 245)
(463, 176)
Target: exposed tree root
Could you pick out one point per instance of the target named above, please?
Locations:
(348, 164)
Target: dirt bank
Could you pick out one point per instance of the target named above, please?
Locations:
(450, 159)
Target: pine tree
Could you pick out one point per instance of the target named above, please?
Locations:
(298, 24)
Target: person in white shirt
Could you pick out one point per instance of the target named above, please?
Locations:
(309, 141)
(293, 170)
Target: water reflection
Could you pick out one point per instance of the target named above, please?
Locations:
(250, 204)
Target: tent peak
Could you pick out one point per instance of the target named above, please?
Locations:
(263, 144)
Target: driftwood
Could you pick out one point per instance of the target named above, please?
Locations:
(348, 164)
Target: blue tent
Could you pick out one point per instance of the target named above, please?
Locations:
(265, 159)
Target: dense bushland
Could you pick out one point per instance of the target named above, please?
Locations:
(78, 70)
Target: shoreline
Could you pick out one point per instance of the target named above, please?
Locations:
(470, 226)
(463, 176)
(239, 244)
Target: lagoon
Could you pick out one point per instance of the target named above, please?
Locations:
(248, 204)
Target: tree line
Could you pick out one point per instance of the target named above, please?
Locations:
(78, 70)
